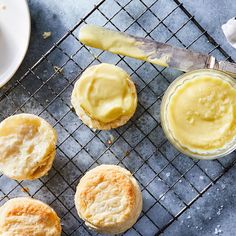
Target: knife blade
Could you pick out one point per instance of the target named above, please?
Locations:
(151, 51)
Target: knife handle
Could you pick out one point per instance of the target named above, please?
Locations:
(227, 67)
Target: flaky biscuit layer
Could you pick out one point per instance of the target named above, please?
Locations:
(27, 146)
(28, 217)
(108, 199)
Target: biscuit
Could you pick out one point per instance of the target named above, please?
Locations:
(108, 199)
(27, 147)
(28, 217)
(107, 71)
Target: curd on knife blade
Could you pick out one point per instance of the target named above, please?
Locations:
(199, 113)
(119, 43)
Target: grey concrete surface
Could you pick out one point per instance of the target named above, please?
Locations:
(212, 214)
(212, 14)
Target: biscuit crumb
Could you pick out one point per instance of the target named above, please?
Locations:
(58, 69)
(220, 210)
(127, 153)
(25, 190)
(218, 230)
(2, 6)
(47, 34)
(111, 140)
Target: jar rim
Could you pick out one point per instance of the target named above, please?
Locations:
(179, 81)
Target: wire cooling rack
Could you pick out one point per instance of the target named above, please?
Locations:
(170, 182)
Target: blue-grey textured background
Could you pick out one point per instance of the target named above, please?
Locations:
(215, 212)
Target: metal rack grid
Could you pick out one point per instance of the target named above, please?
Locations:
(170, 182)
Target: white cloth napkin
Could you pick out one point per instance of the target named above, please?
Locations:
(229, 30)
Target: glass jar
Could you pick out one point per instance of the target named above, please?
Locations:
(166, 114)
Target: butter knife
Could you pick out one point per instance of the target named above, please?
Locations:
(151, 51)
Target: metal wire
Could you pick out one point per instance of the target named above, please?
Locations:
(170, 182)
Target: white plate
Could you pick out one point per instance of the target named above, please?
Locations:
(14, 36)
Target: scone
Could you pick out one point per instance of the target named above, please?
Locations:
(27, 147)
(28, 217)
(108, 199)
(104, 97)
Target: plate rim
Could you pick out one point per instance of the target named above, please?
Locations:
(21, 58)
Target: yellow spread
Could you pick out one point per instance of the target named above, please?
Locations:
(105, 93)
(118, 43)
(202, 114)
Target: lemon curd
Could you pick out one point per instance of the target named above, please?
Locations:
(199, 114)
(118, 43)
(105, 93)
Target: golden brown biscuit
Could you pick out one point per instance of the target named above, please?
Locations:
(108, 199)
(100, 85)
(27, 147)
(28, 217)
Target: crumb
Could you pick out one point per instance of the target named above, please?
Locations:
(220, 210)
(163, 198)
(218, 231)
(111, 140)
(58, 69)
(223, 186)
(25, 190)
(47, 34)
(2, 6)
(168, 174)
(127, 153)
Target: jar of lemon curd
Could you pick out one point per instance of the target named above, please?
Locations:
(198, 114)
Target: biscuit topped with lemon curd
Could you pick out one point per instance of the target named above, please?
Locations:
(104, 97)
